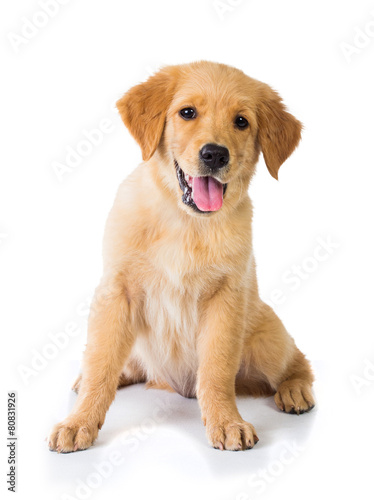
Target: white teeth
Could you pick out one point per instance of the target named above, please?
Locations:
(188, 179)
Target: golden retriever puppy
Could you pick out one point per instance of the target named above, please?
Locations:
(178, 304)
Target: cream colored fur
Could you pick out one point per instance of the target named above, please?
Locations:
(178, 304)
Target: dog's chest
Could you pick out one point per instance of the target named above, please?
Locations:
(168, 348)
(179, 274)
(171, 312)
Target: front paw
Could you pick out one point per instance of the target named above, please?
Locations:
(232, 435)
(72, 434)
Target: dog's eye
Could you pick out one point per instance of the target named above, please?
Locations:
(241, 122)
(188, 113)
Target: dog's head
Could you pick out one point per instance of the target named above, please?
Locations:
(207, 124)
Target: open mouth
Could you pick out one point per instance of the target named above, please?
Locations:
(203, 194)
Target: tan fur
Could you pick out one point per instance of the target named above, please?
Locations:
(178, 304)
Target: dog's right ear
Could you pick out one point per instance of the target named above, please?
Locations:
(143, 109)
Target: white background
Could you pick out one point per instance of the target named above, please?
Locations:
(64, 80)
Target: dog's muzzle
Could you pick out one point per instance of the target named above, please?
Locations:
(203, 194)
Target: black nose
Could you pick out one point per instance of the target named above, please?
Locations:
(214, 156)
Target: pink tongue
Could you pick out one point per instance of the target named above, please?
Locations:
(207, 194)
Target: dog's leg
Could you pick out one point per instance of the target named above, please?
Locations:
(294, 394)
(109, 344)
(220, 349)
(132, 374)
(269, 350)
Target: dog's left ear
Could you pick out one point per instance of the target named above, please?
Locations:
(143, 109)
(279, 132)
